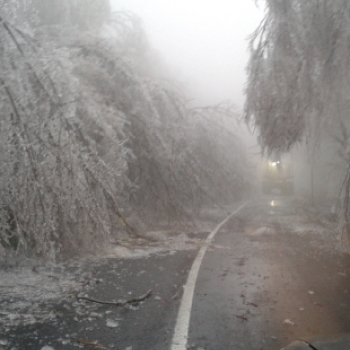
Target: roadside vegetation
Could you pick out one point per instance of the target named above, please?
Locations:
(95, 144)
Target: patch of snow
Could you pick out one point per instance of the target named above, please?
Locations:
(112, 323)
(132, 307)
(168, 246)
(307, 228)
(25, 289)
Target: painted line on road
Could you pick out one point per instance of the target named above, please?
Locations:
(183, 318)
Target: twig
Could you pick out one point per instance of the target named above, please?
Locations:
(252, 304)
(242, 317)
(118, 303)
(83, 342)
(175, 296)
(16, 285)
(307, 343)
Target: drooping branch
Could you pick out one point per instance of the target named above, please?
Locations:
(298, 69)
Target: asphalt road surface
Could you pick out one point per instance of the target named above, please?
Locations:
(271, 275)
(277, 277)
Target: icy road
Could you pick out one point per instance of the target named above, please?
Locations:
(270, 274)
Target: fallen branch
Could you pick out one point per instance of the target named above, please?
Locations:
(308, 344)
(175, 296)
(242, 317)
(83, 342)
(118, 303)
(252, 304)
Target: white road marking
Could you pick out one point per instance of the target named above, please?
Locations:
(183, 318)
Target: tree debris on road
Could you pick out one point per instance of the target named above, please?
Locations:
(242, 317)
(83, 342)
(118, 303)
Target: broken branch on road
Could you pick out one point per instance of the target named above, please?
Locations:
(252, 304)
(118, 303)
(83, 342)
(242, 317)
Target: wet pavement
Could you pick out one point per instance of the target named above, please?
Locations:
(278, 277)
(270, 276)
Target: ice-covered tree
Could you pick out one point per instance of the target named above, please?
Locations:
(90, 141)
(298, 74)
(299, 78)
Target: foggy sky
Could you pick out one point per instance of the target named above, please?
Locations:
(203, 41)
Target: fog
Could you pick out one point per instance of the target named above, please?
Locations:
(203, 42)
(136, 210)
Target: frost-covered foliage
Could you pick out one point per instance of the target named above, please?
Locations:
(215, 132)
(83, 14)
(299, 70)
(88, 140)
(298, 85)
(57, 192)
(185, 161)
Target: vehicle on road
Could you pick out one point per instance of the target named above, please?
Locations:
(277, 175)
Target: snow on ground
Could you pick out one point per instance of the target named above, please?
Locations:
(160, 241)
(28, 291)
